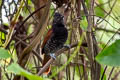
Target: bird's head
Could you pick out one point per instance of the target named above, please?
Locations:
(58, 18)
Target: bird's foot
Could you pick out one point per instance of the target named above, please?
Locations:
(53, 55)
(67, 46)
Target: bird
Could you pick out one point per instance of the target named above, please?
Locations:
(54, 39)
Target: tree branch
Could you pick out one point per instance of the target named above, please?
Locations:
(56, 54)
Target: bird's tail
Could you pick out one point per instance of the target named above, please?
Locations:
(45, 60)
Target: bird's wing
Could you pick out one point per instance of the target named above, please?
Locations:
(47, 37)
(46, 57)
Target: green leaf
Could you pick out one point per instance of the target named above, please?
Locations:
(31, 76)
(4, 54)
(99, 9)
(84, 23)
(29, 2)
(110, 56)
(15, 68)
(99, 12)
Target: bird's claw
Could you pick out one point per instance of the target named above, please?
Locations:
(67, 46)
(53, 55)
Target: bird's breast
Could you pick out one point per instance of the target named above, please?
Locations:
(56, 41)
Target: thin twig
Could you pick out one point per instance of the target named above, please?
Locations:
(111, 73)
(30, 16)
(104, 73)
(56, 54)
(106, 30)
(33, 51)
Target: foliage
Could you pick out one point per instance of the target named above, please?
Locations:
(16, 69)
(111, 55)
(93, 31)
(4, 54)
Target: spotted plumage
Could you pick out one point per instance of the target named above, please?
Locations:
(55, 38)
